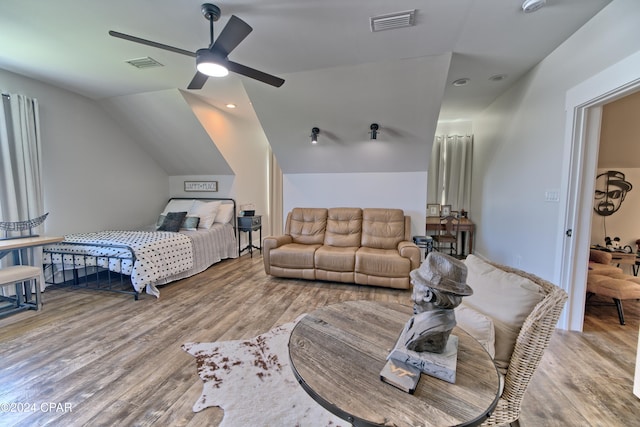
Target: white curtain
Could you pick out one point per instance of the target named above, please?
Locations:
(275, 196)
(21, 164)
(449, 180)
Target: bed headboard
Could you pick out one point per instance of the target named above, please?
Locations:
(224, 200)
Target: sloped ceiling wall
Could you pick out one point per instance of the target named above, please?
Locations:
(168, 130)
(402, 96)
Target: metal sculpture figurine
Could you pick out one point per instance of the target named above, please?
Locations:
(28, 224)
(438, 287)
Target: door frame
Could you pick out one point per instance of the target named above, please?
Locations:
(583, 107)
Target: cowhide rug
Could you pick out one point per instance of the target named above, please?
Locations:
(252, 381)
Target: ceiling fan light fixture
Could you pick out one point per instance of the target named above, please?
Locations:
(314, 135)
(209, 64)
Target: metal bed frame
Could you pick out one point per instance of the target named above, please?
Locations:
(95, 277)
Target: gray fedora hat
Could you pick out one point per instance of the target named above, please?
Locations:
(444, 273)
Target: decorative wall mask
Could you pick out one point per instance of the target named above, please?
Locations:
(611, 189)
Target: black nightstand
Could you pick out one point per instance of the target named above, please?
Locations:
(249, 224)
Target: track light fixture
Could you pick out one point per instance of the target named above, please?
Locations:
(314, 135)
(374, 130)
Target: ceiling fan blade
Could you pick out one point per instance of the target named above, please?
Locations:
(233, 33)
(151, 43)
(198, 81)
(254, 74)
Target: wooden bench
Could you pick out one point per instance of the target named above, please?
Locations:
(22, 277)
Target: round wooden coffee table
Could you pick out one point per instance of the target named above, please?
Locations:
(338, 351)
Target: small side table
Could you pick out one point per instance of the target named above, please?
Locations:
(424, 242)
(249, 224)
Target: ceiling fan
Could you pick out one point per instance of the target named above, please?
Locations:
(213, 60)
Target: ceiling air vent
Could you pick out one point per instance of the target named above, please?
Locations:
(393, 20)
(145, 62)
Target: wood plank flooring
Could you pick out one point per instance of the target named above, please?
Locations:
(103, 359)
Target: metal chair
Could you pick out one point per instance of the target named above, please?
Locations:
(447, 237)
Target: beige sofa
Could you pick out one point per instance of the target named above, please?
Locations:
(369, 246)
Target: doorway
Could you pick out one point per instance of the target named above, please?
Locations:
(583, 115)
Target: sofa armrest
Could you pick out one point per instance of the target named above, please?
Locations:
(272, 242)
(600, 257)
(410, 250)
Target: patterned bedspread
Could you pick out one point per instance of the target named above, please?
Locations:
(159, 254)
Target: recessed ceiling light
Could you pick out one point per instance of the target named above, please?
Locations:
(529, 6)
(461, 82)
(231, 105)
(498, 77)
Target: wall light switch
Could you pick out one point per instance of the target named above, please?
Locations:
(552, 196)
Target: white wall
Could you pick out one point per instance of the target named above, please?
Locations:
(454, 127)
(403, 190)
(246, 150)
(519, 144)
(95, 176)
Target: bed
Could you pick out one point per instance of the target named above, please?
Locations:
(189, 236)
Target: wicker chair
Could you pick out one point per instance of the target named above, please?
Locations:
(531, 343)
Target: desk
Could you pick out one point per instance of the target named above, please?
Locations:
(14, 245)
(338, 351)
(623, 258)
(620, 259)
(10, 245)
(465, 226)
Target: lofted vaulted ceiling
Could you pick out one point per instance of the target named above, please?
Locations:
(340, 76)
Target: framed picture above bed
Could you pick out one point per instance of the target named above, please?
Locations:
(209, 186)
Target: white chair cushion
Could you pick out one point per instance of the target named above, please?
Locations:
(478, 326)
(507, 298)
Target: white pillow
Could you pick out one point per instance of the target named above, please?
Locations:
(507, 298)
(178, 205)
(225, 213)
(478, 326)
(206, 211)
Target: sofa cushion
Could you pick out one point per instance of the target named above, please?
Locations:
(620, 286)
(604, 268)
(293, 255)
(344, 227)
(307, 225)
(507, 298)
(335, 258)
(382, 228)
(382, 262)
